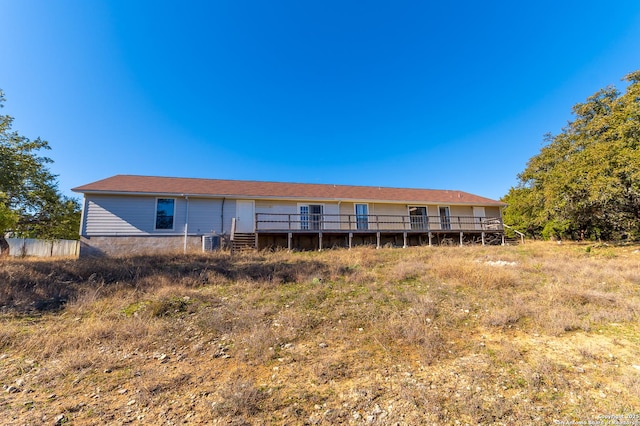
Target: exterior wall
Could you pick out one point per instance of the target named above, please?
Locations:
(461, 217)
(394, 214)
(345, 209)
(110, 215)
(333, 210)
(205, 216)
(377, 212)
(135, 215)
(433, 217)
(118, 225)
(229, 211)
(137, 245)
(282, 214)
(274, 213)
(461, 210)
(390, 216)
(492, 212)
(333, 218)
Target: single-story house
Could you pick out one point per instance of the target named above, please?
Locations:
(134, 214)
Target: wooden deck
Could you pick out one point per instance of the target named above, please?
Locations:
(319, 231)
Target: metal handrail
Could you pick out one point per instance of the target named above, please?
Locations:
(372, 222)
(516, 231)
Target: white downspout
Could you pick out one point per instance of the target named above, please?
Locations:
(186, 223)
(85, 204)
(83, 217)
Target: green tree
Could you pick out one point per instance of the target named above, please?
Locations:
(30, 203)
(585, 182)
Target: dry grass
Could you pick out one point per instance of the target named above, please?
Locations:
(476, 335)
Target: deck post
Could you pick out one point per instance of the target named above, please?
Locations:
(461, 244)
(503, 238)
(430, 236)
(350, 238)
(378, 239)
(483, 240)
(404, 236)
(319, 241)
(257, 247)
(289, 238)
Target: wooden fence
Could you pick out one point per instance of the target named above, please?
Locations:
(43, 248)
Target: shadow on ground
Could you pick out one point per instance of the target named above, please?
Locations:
(36, 285)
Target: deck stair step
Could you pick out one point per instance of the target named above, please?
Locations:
(512, 241)
(243, 242)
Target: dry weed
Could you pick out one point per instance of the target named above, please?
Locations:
(478, 335)
(240, 397)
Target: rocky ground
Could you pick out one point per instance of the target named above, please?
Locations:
(420, 336)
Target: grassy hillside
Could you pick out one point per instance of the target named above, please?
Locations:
(479, 335)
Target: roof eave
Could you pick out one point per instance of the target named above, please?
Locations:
(288, 198)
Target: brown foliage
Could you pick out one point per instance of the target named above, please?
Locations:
(422, 335)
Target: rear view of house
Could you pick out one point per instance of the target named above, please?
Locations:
(135, 214)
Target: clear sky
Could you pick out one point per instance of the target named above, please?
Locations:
(439, 95)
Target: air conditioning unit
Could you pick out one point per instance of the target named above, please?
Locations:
(210, 242)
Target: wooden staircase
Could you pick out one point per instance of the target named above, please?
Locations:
(519, 239)
(243, 242)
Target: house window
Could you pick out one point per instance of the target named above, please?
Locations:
(165, 208)
(362, 216)
(311, 216)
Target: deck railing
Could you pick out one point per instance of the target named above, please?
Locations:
(373, 222)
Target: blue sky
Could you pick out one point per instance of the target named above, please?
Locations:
(440, 95)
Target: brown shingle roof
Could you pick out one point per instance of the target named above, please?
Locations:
(153, 185)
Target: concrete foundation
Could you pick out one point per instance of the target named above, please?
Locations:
(122, 246)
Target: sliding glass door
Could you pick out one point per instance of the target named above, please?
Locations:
(362, 216)
(418, 218)
(445, 218)
(311, 216)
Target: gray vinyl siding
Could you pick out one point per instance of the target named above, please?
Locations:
(111, 215)
(229, 214)
(205, 215)
(135, 215)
